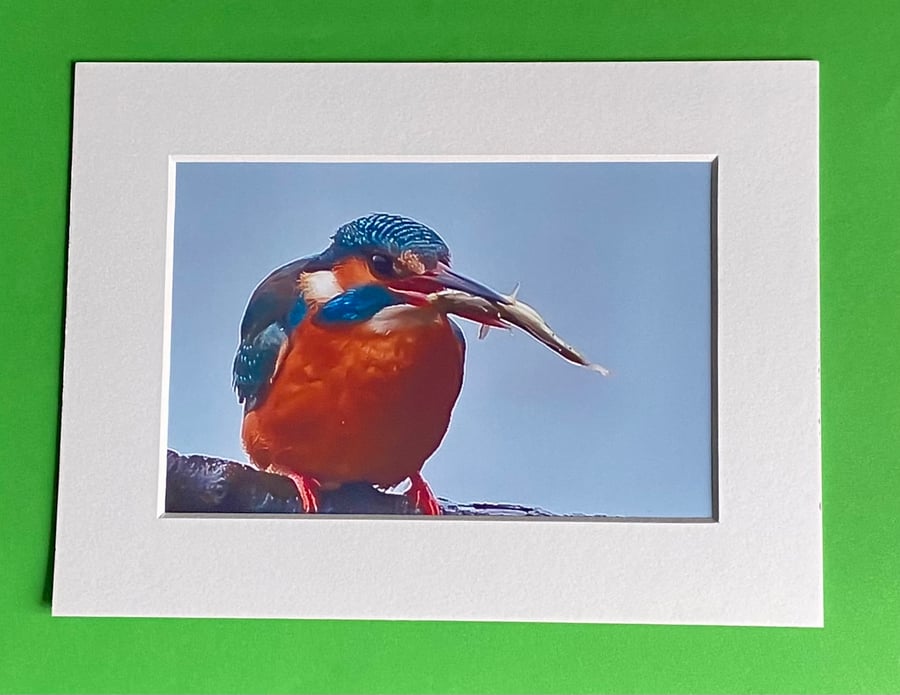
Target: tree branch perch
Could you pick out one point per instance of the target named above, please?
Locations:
(204, 484)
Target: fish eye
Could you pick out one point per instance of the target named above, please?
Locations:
(382, 265)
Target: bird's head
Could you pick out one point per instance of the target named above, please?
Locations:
(399, 255)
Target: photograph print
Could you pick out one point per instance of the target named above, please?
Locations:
(442, 338)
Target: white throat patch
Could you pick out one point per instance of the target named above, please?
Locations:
(319, 287)
(401, 317)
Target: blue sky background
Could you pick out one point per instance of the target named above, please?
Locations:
(614, 255)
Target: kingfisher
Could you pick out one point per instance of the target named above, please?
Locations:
(346, 372)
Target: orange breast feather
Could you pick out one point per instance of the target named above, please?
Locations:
(348, 404)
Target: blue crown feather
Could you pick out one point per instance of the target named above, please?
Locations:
(393, 234)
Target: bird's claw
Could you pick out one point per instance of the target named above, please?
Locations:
(307, 488)
(307, 491)
(421, 497)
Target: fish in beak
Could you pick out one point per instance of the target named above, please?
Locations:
(448, 292)
(512, 312)
(440, 278)
(419, 288)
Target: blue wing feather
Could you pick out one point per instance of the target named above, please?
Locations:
(254, 363)
(275, 308)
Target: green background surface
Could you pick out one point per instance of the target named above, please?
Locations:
(858, 45)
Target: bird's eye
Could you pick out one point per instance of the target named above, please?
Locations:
(382, 265)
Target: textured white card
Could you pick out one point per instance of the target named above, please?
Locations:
(759, 562)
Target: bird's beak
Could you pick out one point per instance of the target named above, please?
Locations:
(449, 280)
(443, 278)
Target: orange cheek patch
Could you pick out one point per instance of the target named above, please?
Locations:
(411, 262)
(353, 272)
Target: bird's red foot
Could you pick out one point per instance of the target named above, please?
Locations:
(421, 497)
(307, 488)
